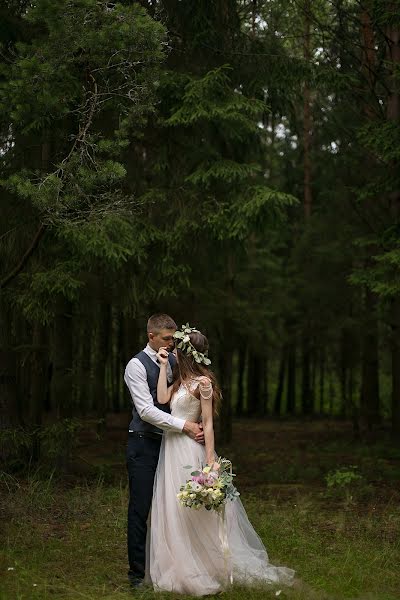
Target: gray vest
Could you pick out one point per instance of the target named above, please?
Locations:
(152, 372)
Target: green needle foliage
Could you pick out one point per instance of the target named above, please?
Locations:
(234, 163)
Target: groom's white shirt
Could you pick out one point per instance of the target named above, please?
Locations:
(136, 379)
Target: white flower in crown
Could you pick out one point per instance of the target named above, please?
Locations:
(185, 345)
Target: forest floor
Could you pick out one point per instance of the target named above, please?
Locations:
(65, 537)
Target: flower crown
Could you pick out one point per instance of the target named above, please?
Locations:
(185, 345)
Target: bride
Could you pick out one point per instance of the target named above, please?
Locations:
(198, 552)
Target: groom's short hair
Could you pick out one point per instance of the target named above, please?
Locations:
(160, 321)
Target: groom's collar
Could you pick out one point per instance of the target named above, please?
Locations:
(150, 351)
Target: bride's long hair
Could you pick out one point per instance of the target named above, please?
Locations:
(187, 368)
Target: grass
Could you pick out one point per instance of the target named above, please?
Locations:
(66, 538)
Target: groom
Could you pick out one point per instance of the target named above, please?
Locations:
(149, 420)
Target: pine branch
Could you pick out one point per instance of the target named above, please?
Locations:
(35, 242)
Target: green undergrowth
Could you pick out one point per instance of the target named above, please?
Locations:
(70, 543)
(339, 529)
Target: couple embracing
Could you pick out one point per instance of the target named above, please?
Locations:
(175, 396)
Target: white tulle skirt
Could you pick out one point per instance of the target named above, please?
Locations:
(200, 552)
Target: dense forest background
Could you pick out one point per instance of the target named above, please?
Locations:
(233, 163)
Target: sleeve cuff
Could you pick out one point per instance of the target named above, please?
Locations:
(179, 423)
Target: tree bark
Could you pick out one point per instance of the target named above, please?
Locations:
(39, 382)
(322, 381)
(61, 380)
(255, 375)
(102, 353)
(281, 381)
(85, 375)
(393, 115)
(227, 343)
(225, 423)
(307, 207)
(307, 114)
(291, 379)
(369, 400)
(395, 355)
(251, 389)
(331, 393)
(240, 380)
(8, 379)
(306, 391)
(118, 366)
(265, 392)
(369, 393)
(343, 371)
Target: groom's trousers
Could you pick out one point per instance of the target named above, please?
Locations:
(142, 459)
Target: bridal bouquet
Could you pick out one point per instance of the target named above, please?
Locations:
(208, 488)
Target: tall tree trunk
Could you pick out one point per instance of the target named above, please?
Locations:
(343, 371)
(369, 400)
(61, 379)
(259, 376)
(118, 362)
(254, 384)
(102, 353)
(395, 351)
(307, 125)
(393, 115)
(8, 379)
(291, 378)
(306, 391)
(265, 392)
(227, 343)
(225, 370)
(313, 359)
(349, 359)
(281, 381)
(322, 381)
(39, 383)
(240, 380)
(355, 416)
(251, 384)
(23, 335)
(331, 391)
(85, 375)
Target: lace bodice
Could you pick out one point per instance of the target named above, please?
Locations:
(184, 405)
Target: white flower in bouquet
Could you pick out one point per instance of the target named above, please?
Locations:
(196, 487)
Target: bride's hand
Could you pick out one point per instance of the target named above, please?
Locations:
(162, 356)
(214, 466)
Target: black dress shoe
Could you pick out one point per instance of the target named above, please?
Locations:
(136, 583)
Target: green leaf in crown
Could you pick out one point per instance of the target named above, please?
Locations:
(182, 337)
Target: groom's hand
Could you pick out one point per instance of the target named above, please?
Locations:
(200, 436)
(194, 430)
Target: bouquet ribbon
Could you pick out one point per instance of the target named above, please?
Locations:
(225, 546)
(223, 536)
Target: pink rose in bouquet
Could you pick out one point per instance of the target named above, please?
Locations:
(209, 488)
(198, 478)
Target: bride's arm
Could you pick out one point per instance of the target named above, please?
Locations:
(205, 389)
(163, 391)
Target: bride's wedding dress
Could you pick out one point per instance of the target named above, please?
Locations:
(199, 552)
